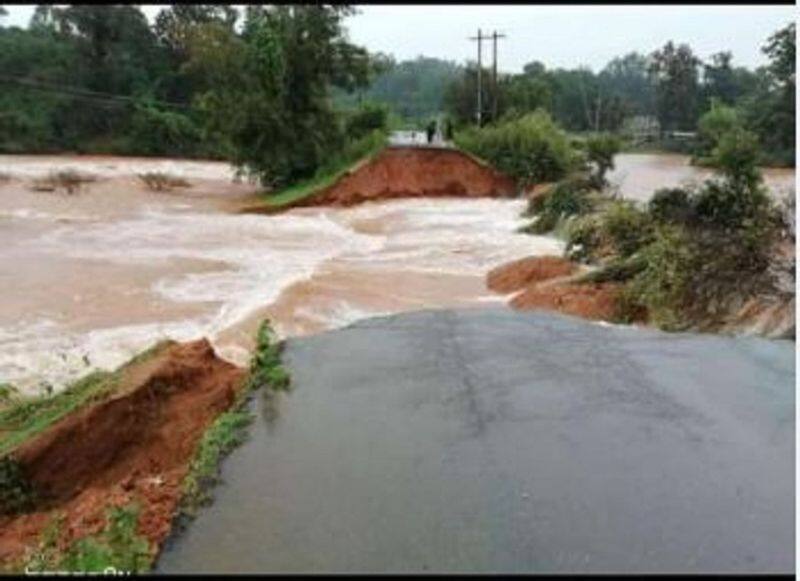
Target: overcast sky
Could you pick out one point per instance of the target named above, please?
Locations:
(566, 36)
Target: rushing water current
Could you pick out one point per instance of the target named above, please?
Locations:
(90, 279)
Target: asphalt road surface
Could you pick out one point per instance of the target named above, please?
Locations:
(498, 441)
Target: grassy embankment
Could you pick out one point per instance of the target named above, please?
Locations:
(118, 545)
(22, 418)
(355, 153)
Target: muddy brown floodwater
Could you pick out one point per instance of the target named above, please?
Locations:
(92, 278)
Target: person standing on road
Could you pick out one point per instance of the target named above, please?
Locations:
(431, 129)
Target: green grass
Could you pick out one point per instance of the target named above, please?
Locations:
(28, 417)
(354, 153)
(230, 428)
(24, 418)
(117, 548)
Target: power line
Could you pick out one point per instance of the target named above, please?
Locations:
(87, 94)
(495, 36)
(480, 39)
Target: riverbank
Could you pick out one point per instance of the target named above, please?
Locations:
(138, 448)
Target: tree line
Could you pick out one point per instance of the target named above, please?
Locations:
(671, 85)
(253, 86)
(280, 90)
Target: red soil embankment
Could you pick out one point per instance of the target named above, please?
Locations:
(543, 283)
(134, 446)
(398, 172)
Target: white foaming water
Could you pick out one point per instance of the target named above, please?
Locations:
(33, 166)
(252, 259)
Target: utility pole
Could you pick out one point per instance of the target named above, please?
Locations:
(479, 38)
(495, 36)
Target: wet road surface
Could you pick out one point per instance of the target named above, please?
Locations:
(496, 441)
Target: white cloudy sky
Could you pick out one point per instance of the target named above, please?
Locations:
(565, 36)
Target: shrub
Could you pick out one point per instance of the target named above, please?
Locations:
(600, 152)
(369, 117)
(158, 132)
(567, 198)
(670, 205)
(584, 238)
(119, 546)
(718, 121)
(531, 149)
(68, 179)
(627, 227)
(159, 181)
(662, 286)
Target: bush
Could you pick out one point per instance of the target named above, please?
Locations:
(159, 181)
(157, 132)
(69, 180)
(600, 151)
(670, 205)
(711, 127)
(531, 149)
(584, 238)
(662, 287)
(567, 198)
(627, 227)
(368, 118)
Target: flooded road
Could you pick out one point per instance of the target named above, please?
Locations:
(497, 441)
(92, 278)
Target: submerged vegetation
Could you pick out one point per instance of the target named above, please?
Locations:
(68, 180)
(160, 181)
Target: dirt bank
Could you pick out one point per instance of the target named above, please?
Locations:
(399, 172)
(134, 446)
(522, 273)
(547, 283)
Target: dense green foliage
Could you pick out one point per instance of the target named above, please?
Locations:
(567, 198)
(600, 152)
(334, 167)
(531, 149)
(670, 90)
(690, 255)
(196, 82)
(268, 87)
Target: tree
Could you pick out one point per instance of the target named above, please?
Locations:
(460, 98)
(600, 151)
(719, 79)
(627, 77)
(674, 71)
(269, 88)
(173, 25)
(769, 110)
